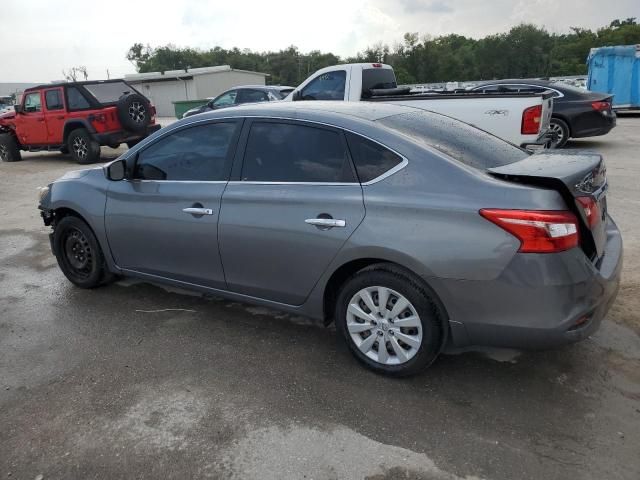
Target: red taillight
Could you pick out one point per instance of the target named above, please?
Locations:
(539, 231)
(591, 210)
(531, 120)
(601, 106)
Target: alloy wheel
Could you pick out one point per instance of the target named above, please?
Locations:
(137, 112)
(4, 153)
(80, 147)
(384, 325)
(557, 133)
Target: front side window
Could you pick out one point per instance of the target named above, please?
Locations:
(371, 159)
(76, 100)
(200, 153)
(32, 102)
(226, 99)
(53, 99)
(283, 152)
(328, 86)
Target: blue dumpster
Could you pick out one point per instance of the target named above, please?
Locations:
(616, 70)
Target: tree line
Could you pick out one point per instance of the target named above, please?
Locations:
(524, 51)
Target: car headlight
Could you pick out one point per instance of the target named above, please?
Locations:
(42, 192)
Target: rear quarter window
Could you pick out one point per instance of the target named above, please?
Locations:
(460, 141)
(371, 159)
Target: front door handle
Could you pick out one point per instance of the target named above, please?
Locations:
(198, 211)
(326, 222)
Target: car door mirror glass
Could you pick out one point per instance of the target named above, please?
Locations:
(18, 108)
(117, 170)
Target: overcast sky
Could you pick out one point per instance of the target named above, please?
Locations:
(39, 38)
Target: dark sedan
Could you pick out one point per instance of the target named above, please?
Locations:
(240, 95)
(577, 113)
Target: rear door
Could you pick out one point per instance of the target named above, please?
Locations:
(54, 114)
(163, 220)
(293, 204)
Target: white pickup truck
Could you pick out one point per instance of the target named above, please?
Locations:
(520, 118)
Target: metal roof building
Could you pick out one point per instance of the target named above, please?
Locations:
(163, 88)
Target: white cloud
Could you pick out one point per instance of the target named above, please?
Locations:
(39, 38)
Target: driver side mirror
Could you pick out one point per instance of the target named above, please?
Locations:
(18, 108)
(297, 95)
(117, 170)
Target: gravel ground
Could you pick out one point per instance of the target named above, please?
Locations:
(105, 384)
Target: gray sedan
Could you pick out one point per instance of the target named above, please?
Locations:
(409, 229)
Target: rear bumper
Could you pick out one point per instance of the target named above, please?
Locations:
(123, 136)
(598, 124)
(539, 301)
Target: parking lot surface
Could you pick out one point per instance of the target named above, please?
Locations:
(135, 381)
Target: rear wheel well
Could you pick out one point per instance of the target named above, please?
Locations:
(565, 120)
(340, 276)
(70, 127)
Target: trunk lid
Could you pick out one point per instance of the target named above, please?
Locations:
(580, 177)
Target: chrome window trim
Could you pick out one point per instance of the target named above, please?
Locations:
(560, 94)
(144, 180)
(388, 173)
(327, 184)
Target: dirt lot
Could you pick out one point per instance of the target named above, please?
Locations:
(105, 384)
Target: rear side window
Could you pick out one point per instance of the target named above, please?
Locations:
(199, 153)
(378, 78)
(76, 100)
(109, 92)
(252, 96)
(282, 152)
(328, 86)
(457, 139)
(53, 99)
(371, 159)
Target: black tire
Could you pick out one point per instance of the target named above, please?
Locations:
(64, 150)
(432, 319)
(78, 253)
(9, 151)
(560, 131)
(82, 147)
(134, 112)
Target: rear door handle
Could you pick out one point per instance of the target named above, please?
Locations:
(198, 211)
(326, 222)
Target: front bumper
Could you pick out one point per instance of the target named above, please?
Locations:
(123, 136)
(539, 301)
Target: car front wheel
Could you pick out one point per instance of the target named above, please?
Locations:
(78, 253)
(389, 320)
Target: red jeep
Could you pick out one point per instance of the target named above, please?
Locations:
(76, 118)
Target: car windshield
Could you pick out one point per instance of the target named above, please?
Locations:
(457, 139)
(108, 92)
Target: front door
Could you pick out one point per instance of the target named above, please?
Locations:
(163, 220)
(294, 205)
(32, 127)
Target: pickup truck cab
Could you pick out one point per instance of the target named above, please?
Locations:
(520, 118)
(76, 118)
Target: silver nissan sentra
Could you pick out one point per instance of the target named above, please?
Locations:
(409, 229)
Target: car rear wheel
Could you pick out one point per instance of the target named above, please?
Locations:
(389, 320)
(559, 131)
(78, 253)
(83, 148)
(9, 151)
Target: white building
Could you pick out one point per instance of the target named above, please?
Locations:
(163, 88)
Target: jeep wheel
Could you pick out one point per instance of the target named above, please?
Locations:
(9, 151)
(134, 112)
(83, 148)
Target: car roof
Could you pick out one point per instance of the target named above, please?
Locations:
(311, 110)
(264, 87)
(72, 84)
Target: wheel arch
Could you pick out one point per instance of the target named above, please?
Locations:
(351, 267)
(74, 124)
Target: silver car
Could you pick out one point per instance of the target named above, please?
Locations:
(409, 229)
